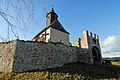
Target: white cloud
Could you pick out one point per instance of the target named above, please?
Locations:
(111, 46)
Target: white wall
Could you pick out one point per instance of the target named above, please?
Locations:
(47, 36)
(57, 35)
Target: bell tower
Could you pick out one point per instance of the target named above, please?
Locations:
(51, 17)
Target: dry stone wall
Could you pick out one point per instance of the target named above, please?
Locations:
(28, 55)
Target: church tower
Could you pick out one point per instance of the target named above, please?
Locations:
(54, 31)
(51, 16)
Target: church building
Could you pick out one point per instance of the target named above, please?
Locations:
(54, 31)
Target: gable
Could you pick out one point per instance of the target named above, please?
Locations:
(56, 25)
(41, 32)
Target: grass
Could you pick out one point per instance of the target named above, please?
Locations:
(116, 63)
(73, 71)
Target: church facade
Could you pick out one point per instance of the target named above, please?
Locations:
(54, 31)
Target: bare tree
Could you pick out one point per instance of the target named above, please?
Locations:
(16, 13)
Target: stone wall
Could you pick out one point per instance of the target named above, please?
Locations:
(7, 51)
(28, 55)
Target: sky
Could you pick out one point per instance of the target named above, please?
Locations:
(101, 17)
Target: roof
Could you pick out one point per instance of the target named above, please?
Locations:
(52, 10)
(56, 25)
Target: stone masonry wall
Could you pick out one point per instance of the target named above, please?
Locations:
(30, 55)
(7, 51)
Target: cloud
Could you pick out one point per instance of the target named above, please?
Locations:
(111, 46)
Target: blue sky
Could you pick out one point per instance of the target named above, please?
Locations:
(98, 16)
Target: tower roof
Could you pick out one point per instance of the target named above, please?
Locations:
(52, 10)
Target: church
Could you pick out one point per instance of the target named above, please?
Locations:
(54, 31)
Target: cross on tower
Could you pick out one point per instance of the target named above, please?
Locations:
(45, 35)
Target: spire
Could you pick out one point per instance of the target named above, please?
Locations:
(52, 10)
